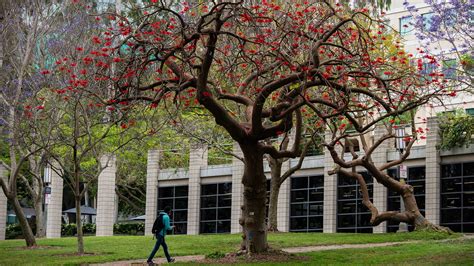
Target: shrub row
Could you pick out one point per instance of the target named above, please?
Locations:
(129, 228)
(14, 230)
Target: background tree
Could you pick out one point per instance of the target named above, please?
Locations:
(446, 31)
(24, 25)
(312, 143)
(83, 133)
(84, 129)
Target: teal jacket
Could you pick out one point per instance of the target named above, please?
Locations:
(166, 224)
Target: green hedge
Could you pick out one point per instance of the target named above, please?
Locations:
(119, 229)
(14, 230)
(129, 228)
(71, 229)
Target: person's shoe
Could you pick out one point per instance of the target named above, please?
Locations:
(171, 260)
(150, 262)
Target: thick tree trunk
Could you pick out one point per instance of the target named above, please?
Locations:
(275, 183)
(417, 219)
(80, 235)
(25, 227)
(40, 230)
(253, 210)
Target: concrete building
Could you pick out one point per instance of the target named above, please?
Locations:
(207, 199)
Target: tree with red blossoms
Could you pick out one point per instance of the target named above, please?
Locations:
(253, 67)
(86, 128)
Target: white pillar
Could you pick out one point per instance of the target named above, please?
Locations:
(330, 192)
(55, 206)
(283, 212)
(3, 204)
(106, 197)
(197, 158)
(433, 172)
(152, 173)
(380, 191)
(237, 190)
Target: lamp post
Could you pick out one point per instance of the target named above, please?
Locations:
(402, 172)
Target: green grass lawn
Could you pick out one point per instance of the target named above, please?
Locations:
(58, 251)
(452, 252)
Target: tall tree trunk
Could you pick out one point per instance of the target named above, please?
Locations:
(25, 227)
(253, 210)
(273, 208)
(80, 235)
(40, 230)
(275, 184)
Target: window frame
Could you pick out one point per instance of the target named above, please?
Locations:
(308, 217)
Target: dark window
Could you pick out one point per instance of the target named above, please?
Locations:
(177, 198)
(457, 197)
(306, 204)
(470, 111)
(416, 179)
(352, 215)
(216, 201)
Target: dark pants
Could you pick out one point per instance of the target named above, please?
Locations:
(160, 240)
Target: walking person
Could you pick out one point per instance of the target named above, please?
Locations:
(160, 226)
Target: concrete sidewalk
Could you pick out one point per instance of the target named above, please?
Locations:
(157, 260)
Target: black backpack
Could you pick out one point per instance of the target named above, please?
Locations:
(158, 225)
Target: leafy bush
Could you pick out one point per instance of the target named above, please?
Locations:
(456, 129)
(13, 231)
(129, 228)
(88, 228)
(71, 229)
(68, 229)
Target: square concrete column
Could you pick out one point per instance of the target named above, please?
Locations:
(3, 204)
(106, 197)
(433, 172)
(330, 192)
(54, 208)
(283, 212)
(380, 191)
(152, 173)
(197, 158)
(237, 190)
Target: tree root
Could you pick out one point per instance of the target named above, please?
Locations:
(273, 229)
(429, 227)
